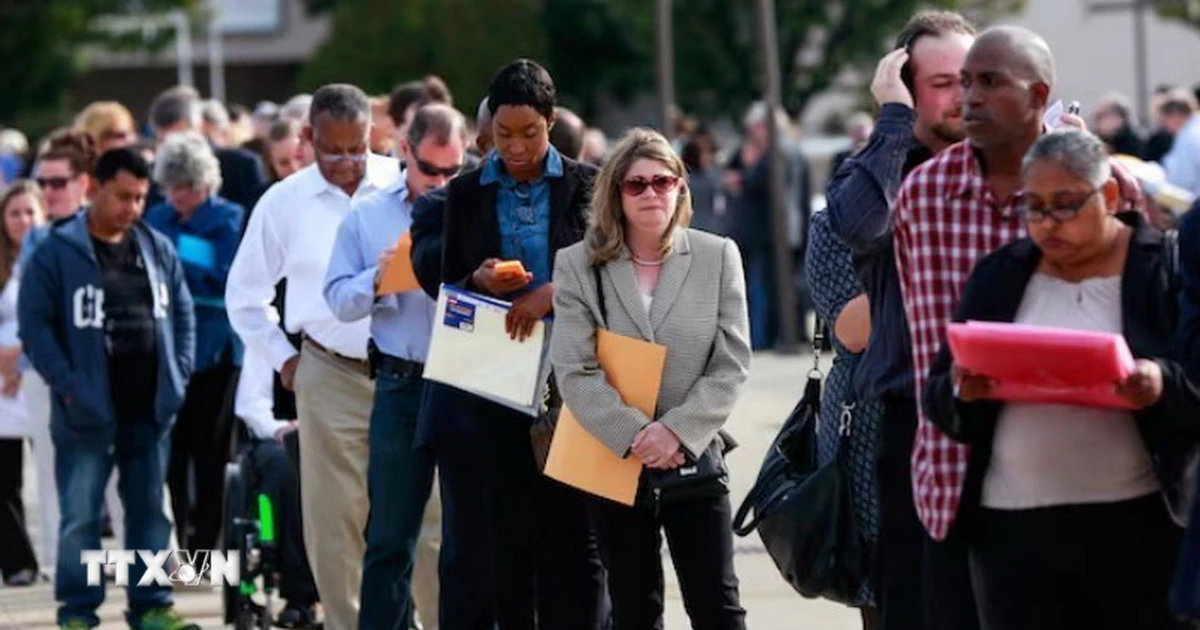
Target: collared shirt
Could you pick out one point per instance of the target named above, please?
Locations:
(400, 323)
(290, 236)
(947, 218)
(860, 204)
(523, 210)
(1183, 162)
(254, 401)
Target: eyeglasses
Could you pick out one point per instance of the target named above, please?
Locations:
(336, 158)
(662, 184)
(56, 183)
(433, 171)
(1066, 206)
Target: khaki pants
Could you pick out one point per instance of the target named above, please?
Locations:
(334, 400)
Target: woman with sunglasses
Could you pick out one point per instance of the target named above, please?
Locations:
(685, 289)
(525, 202)
(1068, 527)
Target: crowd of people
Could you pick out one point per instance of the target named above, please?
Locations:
(214, 284)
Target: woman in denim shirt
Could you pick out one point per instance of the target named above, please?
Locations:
(205, 230)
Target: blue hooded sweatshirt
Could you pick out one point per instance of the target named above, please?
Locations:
(206, 245)
(60, 308)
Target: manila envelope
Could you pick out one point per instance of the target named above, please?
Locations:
(398, 275)
(634, 368)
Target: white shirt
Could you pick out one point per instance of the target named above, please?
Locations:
(14, 416)
(254, 402)
(1046, 455)
(291, 235)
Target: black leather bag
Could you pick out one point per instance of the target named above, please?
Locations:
(804, 513)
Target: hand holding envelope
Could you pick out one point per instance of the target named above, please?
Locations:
(396, 275)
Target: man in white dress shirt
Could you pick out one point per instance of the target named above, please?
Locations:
(290, 236)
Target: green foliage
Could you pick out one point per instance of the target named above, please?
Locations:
(596, 48)
(1186, 11)
(43, 42)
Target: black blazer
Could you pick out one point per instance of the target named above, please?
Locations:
(470, 235)
(1150, 314)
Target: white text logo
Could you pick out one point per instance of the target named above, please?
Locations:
(189, 566)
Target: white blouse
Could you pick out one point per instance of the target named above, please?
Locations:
(1045, 455)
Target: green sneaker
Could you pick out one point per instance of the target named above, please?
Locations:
(74, 624)
(164, 619)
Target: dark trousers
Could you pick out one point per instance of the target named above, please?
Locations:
(547, 572)
(199, 450)
(14, 536)
(700, 539)
(276, 477)
(1096, 566)
(399, 479)
(464, 561)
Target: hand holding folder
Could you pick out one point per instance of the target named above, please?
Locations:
(398, 276)
(634, 368)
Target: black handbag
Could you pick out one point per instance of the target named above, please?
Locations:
(804, 512)
(705, 476)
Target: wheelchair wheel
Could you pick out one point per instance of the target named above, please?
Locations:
(237, 608)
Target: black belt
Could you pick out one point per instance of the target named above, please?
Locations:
(400, 367)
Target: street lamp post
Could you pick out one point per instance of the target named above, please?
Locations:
(1141, 66)
(665, 59)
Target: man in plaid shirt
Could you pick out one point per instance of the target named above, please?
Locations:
(952, 211)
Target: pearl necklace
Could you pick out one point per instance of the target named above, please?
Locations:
(648, 263)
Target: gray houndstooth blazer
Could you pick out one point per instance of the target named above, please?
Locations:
(698, 313)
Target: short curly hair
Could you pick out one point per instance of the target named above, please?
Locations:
(186, 159)
(523, 82)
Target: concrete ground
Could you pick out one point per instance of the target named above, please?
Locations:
(775, 385)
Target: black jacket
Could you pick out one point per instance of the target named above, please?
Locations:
(1150, 314)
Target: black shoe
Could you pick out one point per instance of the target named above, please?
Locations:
(294, 616)
(24, 577)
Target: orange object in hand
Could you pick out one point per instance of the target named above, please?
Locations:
(510, 269)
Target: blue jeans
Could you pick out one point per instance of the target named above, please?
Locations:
(399, 480)
(140, 451)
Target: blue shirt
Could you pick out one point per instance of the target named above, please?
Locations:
(1183, 162)
(206, 244)
(400, 323)
(860, 201)
(523, 210)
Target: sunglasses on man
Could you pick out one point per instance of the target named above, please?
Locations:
(431, 170)
(56, 183)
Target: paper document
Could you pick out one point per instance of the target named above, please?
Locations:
(634, 368)
(1037, 364)
(471, 350)
(398, 275)
(196, 251)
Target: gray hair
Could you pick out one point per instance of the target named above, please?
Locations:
(215, 114)
(342, 102)
(297, 107)
(186, 159)
(1081, 153)
(178, 104)
(441, 122)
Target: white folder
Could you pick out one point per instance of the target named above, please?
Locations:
(470, 350)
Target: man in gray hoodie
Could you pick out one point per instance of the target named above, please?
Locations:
(106, 320)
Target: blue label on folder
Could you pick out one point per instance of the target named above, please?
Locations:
(459, 314)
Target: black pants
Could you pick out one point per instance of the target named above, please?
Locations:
(547, 569)
(700, 538)
(922, 584)
(1096, 566)
(17, 554)
(199, 450)
(276, 477)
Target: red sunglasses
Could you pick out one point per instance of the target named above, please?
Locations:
(662, 184)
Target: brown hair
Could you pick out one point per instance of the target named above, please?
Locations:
(931, 24)
(10, 251)
(280, 130)
(78, 148)
(606, 220)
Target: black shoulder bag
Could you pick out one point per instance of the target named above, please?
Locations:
(804, 513)
(696, 478)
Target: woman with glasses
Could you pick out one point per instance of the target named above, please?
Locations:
(1068, 523)
(22, 207)
(205, 229)
(661, 282)
(525, 202)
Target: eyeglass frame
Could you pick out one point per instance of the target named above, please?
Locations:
(656, 182)
(1066, 212)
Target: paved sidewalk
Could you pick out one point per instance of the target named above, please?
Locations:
(775, 384)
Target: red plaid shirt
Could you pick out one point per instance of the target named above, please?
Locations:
(946, 220)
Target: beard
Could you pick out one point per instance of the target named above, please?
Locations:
(949, 131)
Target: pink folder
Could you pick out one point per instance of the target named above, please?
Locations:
(1036, 364)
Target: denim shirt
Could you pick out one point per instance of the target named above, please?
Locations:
(523, 210)
(860, 199)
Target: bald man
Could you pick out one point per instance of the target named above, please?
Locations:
(950, 212)
(483, 127)
(567, 133)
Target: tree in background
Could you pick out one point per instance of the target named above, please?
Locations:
(1187, 11)
(605, 48)
(43, 43)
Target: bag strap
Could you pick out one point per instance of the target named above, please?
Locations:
(1171, 260)
(600, 296)
(818, 344)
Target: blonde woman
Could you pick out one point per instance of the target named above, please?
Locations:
(685, 289)
(22, 207)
